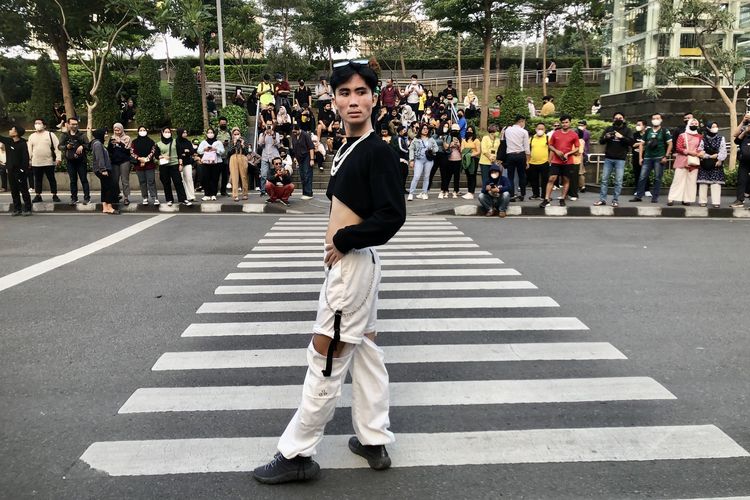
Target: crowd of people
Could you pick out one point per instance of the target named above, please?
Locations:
(430, 132)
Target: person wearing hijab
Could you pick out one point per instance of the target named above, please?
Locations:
(210, 150)
(238, 163)
(119, 154)
(407, 115)
(283, 122)
(143, 152)
(687, 157)
(102, 168)
(711, 171)
(186, 150)
(170, 170)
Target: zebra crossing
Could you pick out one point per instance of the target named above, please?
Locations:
(436, 280)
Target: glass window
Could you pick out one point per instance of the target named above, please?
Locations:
(664, 42)
(745, 15)
(635, 20)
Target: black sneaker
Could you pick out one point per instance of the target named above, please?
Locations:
(27, 213)
(56, 198)
(376, 456)
(284, 470)
(737, 204)
(636, 199)
(544, 203)
(37, 199)
(285, 203)
(15, 214)
(562, 203)
(520, 198)
(86, 201)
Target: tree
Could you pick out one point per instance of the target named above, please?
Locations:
(281, 18)
(514, 102)
(186, 103)
(325, 27)
(544, 12)
(724, 69)
(108, 109)
(242, 35)
(150, 107)
(587, 18)
(44, 91)
(573, 101)
(479, 17)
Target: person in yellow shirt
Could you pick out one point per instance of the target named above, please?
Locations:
(538, 169)
(471, 149)
(490, 147)
(548, 106)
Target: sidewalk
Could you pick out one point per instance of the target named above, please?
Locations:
(319, 205)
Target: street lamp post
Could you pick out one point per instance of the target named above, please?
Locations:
(221, 55)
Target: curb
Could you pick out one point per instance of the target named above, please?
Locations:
(605, 211)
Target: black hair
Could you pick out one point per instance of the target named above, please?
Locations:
(342, 75)
(449, 82)
(640, 121)
(39, 118)
(277, 158)
(518, 118)
(266, 76)
(657, 114)
(19, 130)
(223, 118)
(296, 127)
(72, 118)
(565, 117)
(618, 113)
(413, 76)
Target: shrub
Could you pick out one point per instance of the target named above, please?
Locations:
(514, 102)
(150, 106)
(44, 91)
(108, 111)
(186, 102)
(573, 100)
(236, 117)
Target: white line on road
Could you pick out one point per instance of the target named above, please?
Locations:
(316, 232)
(384, 287)
(385, 262)
(382, 252)
(40, 268)
(387, 273)
(396, 239)
(402, 304)
(459, 353)
(403, 325)
(449, 393)
(290, 250)
(602, 444)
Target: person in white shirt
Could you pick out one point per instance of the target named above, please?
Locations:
(44, 156)
(413, 92)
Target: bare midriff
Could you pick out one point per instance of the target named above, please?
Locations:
(341, 216)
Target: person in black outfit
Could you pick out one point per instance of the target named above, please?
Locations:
(367, 209)
(3, 172)
(17, 163)
(742, 139)
(74, 146)
(102, 168)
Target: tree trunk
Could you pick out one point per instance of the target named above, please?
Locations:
(497, 55)
(90, 106)
(732, 127)
(202, 62)
(544, 56)
(485, 105)
(403, 63)
(458, 64)
(330, 60)
(586, 53)
(166, 50)
(62, 59)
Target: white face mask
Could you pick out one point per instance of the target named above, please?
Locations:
(167, 135)
(656, 123)
(142, 133)
(495, 176)
(714, 130)
(209, 136)
(38, 127)
(540, 133)
(639, 128)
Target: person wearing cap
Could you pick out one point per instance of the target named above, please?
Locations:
(302, 95)
(495, 195)
(17, 163)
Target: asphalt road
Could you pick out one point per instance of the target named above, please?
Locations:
(77, 341)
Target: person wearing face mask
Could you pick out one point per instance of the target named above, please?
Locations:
(471, 148)
(490, 148)
(681, 129)
(453, 168)
(210, 150)
(102, 168)
(186, 151)
(422, 152)
(495, 195)
(687, 161)
(538, 168)
(636, 160)
(578, 182)
(170, 170)
(517, 155)
(617, 140)
(711, 172)
(44, 157)
(741, 137)
(303, 153)
(413, 91)
(238, 164)
(407, 115)
(17, 162)
(439, 133)
(222, 135)
(270, 142)
(119, 153)
(143, 153)
(655, 149)
(400, 144)
(462, 123)
(563, 145)
(74, 146)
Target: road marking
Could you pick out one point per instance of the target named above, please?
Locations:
(403, 325)
(386, 273)
(385, 262)
(324, 218)
(398, 239)
(324, 223)
(383, 253)
(448, 393)
(309, 234)
(602, 444)
(401, 304)
(40, 268)
(384, 287)
(319, 247)
(460, 353)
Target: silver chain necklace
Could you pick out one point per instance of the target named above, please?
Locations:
(339, 158)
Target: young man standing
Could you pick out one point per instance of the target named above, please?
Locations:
(44, 157)
(303, 153)
(563, 145)
(74, 146)
(617, 140)
(367, 209)
(17, 163)
(654, 151)
(413, 92)
(390, 95)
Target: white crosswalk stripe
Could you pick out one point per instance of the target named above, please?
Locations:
(438, 259)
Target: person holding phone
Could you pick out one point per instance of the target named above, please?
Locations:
(563, 145)
(495, 197)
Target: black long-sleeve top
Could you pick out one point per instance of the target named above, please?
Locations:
(617, 149)
(16, 154)
(370, 184)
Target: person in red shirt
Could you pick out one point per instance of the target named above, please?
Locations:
(564, 145)
(282, 91)
(390, 95)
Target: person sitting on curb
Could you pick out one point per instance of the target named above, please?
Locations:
(496, 195)
(279, 186)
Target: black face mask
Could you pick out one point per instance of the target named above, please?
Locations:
(223, 127)
(618, 123)
(693, 127)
